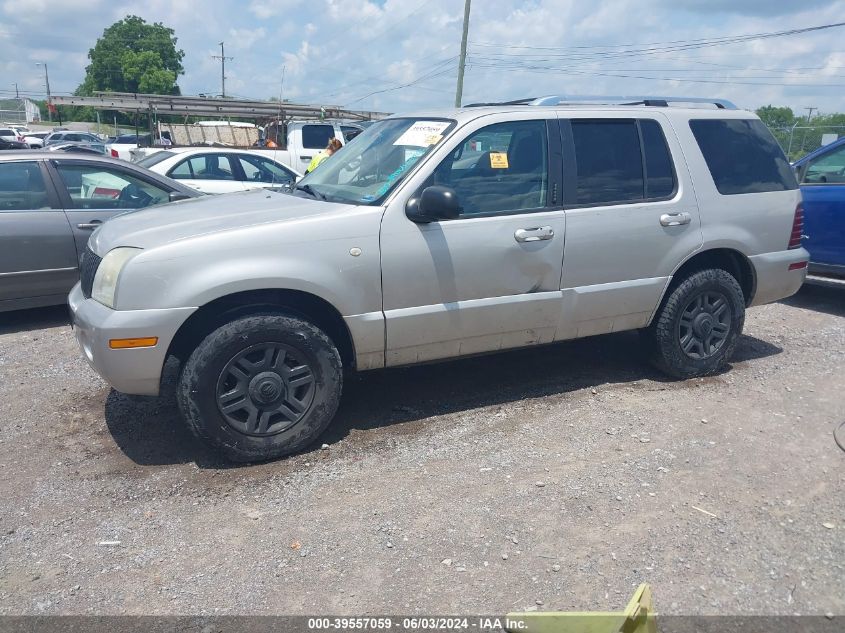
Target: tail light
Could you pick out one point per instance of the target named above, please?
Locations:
(797, 227)
(116, 155)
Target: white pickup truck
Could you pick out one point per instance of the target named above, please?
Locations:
(296, 141)
(299, 141)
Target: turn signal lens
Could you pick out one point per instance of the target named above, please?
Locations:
(131, 343)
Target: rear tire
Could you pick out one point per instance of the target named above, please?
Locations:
(261, 387)
(697, 329)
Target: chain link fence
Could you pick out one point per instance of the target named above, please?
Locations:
(800, 140)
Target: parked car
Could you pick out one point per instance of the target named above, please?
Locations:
(35, 140)
(7, 144)
(70, 136)
(49, 205)
(10, 134)
(218, 170)
(567, 222)
(822, 178)
(125, 142)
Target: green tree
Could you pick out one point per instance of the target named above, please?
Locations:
(133, 56)
(776, 117)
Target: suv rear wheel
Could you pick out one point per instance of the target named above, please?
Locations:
(261, 386)
(698, 327)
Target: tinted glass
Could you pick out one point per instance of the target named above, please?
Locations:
(101, 187)
(742, 156)
(501, 169)
(316, 136)
(205, 167)
(608, 161)
(260, 169)
(829, 168)
(660, 182)
(22, 187)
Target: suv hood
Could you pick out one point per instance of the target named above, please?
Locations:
(176, 221)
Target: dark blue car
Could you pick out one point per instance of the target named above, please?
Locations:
(822, 178)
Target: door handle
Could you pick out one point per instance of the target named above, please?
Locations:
(305, 157)
(675, 219)
(93, 224)
(534, 235)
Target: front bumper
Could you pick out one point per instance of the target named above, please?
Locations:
(775, 280)
(135, 371)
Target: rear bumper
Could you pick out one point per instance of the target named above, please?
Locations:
(134, 371)
(775, 280)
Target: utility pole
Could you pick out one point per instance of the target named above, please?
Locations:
(462, 61)
(17, 94)
(47, 84)
(810, 112)
(222, 57)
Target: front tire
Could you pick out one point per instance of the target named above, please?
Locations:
(261, 387)
(698, 327)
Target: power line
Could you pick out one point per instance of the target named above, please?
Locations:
(674, 44)
(421, 78)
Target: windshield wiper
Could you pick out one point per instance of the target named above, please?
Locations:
(309, 190)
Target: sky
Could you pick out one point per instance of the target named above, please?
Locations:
(400, 55)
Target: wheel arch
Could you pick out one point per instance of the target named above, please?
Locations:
(727, 259)
(298, 303)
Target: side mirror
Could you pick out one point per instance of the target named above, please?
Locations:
(176, 196)
(435, 203)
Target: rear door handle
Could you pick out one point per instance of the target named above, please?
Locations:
(675, 219)
(93, 224)
(534, 235)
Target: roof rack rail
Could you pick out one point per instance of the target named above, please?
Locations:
(721, 104)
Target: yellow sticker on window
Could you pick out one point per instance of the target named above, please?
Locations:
(434, 139)
(498, 160)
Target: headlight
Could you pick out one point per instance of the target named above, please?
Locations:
(108, 272)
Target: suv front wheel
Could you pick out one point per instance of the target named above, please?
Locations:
(698, 327)
(261, 386)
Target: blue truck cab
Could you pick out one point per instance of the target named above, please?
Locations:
(822, 179)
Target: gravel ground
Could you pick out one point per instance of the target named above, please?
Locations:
(550, 478)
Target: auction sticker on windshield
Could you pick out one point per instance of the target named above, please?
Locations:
(422, 133)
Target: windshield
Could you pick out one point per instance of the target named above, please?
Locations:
(367, 169)
(154, 159)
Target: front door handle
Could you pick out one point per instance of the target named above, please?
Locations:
(675, 219)
(93, 224)
(534, 235)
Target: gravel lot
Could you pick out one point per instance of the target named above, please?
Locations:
(551, 478)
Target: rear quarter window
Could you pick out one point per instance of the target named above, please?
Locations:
(742, 156)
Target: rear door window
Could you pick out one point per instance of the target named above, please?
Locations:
(742, 156)
(609, 164)
(204, 167)
(22, 187)
(316, 136)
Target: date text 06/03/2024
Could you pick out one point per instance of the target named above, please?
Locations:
(419, 623)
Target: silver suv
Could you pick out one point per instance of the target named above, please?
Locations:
(443, 234)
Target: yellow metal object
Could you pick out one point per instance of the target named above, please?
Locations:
(131, 343)
(638, 617)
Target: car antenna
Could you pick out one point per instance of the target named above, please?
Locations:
(276, 143)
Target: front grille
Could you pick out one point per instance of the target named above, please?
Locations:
(87, 270)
